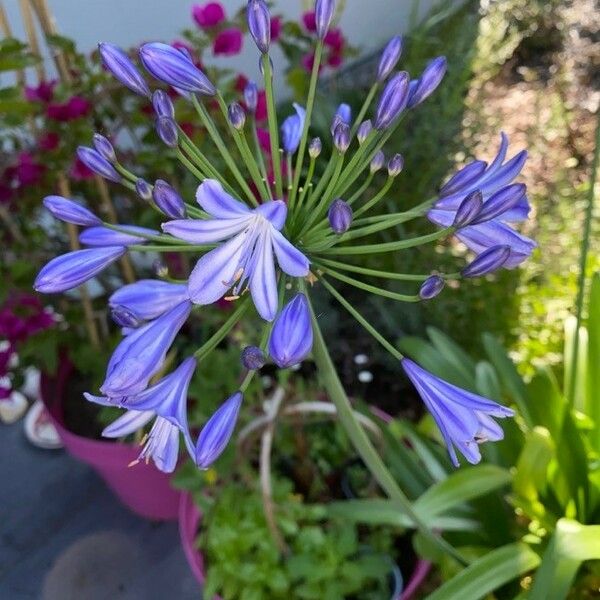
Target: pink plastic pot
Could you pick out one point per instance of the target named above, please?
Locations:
(143, 489)
(189, 522)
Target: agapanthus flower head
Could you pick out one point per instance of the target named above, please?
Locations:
(167, 131)
(74, 268)
(162, 104)
(432, 287)
(251, 97)
(389, 58)
(142, 353)
(291, 338)
(217, 432)
(254, 241)
(510, 204)
(94, 161)
(166, 403)
(236, 116)
(392, 101)
(324, 10)
(176, 68)
(148, 299)
(253, 358)
(463, 418)
(291, 129)
(122, 67)
(340, 216)
(70, 212)
(104, 147)
(259, 24)
(487, 262)
(429, 81)
(168, 199)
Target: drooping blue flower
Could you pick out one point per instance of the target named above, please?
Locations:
(148, 299)
(168, 199)
(389, 58)
(291, 129)
(292, 335)
(324, 10)
(509, 204)
(94, 161)
(176, 68)
(259, 24)
(74, 268)
(392, 101)
(430, 79)
(121, 66)
(254, 241)
(166, 403)
(463, 418)
(217, 432)
(487, 262)
(70, 212)
(103, 236)
(142, 353)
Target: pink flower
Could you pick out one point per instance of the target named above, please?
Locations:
(49, 141)
(27, 171)
(309, 20)
(22, 316)
(79, 172)
(335, 60)
(335, 40)
(209, 14)
(264, 140)
(43, 92)
(276, 26)
(75, 108)
(188, 128)
(240, 83)
(261, 106)
(6, 193)
(228, 42)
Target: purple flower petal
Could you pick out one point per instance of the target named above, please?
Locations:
(205, 232)
(148, 299)
(290, 259)
(263, 283)
(218, 203)
(275, 212)
(70, 212)
(128, 423)
(103, 236)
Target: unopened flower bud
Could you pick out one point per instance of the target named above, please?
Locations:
(363, 131)
(340, 216)
(392, 101)
(389, 58)
(259, 24)
(94, 161)
(429, 81)
(70, 212)
(124, 318)
(168, 200)
(469, 174)
(468, 209)
(236, 116)
(121, 66)
(487, 262)
(341, 138)
(324, 10)
(163, 106)
(253, 358)
(315, 147)
(167, 131)
(395, 165)
(104, 147)
(500, 202)
(143, 189)
(431, 287)
(377, 162)
(251, 97)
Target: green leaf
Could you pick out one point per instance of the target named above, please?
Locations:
(488, 573)
(592, 404)
(571, 544)
(579, 371)
(460, 487)
(545, 402)
(530, 478)
(509, 376)
(486, 381)
(455, 355)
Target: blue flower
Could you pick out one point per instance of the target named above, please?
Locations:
(121, 66)
(103, 236)
(463, 418)
(166, 403)
(70, 212)
(494, 183)
(254, 240)
(142, 353)
(291, 130)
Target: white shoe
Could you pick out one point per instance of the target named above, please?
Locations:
(39, 429)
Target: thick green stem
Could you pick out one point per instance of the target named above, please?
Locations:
(273, 125)
(361, 441)
(585, 248)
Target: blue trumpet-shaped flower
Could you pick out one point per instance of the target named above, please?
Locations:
(503, 203)
(103, 236)
(74, 268)
(94, 161)
(422, 88)
(291, 129)
(166, 403)
(70, 212)
(215, 435)
(148, 299)
(254, 240)
(121, 66)
(292, 335)
(392, 101)
(389, 58)
(141, 354)
(463, 418)
(259, 24)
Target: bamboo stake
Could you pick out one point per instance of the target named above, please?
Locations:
(88, 309)
(7, 33)
(29, 25)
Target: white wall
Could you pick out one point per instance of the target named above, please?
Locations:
(367, 23)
